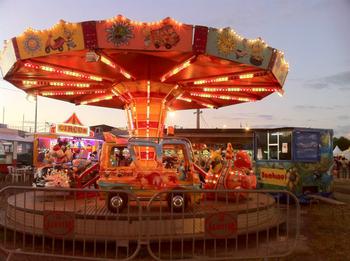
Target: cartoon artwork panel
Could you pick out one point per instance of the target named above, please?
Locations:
(63, 37)
(7, 57)
(163, 36)
(311, 169)
(280, 68)
(227, 44)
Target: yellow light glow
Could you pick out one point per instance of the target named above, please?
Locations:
(184, 99)
(246, 76)
(29, 82)
(177, 69)
(126, 75)
(204, 81)
(223, 97)
(107, 61)
(172, 114)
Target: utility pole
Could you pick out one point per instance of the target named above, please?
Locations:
(23, 122)
(36, 114)
(198, 112)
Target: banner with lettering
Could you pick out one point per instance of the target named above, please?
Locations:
(274, 176)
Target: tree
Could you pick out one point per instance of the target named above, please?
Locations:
(342, 142)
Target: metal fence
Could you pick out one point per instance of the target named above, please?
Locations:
(172, 225)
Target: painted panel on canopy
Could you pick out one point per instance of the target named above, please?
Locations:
(228, 45)
(280, 68)
(123, 34)
(7, 57)
(62, 37)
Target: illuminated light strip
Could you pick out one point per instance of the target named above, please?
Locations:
(115, 92)
(183, 99)
(129, 116)
(138, 23)
(29, 82)
(110, 63)
(208, 105)
(260, 89)
(219, 79)
(223, 97)
(229, 78)
(148, 109)
(69, 84)
(177, 69)
(109, 97)
(126, 75)
(62, 93)
(246, 76)
(79, 85)
(62, 71)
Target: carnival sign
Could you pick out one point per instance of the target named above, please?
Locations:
(221, 225)
(274, 176)
(73, 130)
(59, 223)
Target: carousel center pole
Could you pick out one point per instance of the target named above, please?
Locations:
(147, 108)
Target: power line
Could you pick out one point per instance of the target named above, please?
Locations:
(206, 123)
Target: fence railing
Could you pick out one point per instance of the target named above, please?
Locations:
(171, 225)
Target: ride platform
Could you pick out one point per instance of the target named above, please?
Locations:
(88, 218)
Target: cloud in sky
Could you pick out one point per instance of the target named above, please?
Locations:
(312, 107)
(343, 117)
(342, 130)
(340, 81)
(247, 116)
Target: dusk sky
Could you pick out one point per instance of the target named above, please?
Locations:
(314, 35)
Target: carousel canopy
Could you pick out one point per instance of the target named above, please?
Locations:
(111, 62)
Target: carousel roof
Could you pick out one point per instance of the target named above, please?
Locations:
(108, 62)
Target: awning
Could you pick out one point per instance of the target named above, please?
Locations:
(9, 137)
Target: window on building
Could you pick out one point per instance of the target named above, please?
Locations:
(307, 146)
(274, 145)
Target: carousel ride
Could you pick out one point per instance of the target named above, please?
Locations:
(146, 69)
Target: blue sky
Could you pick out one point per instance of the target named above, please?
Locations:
(313, 34)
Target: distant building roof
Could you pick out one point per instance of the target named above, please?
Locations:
(99, 129)
(102, 127)
(119, 132)
(7, 134)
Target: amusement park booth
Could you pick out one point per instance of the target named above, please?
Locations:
(297, 159)
(218, 138)
(16, 148)
(79, 138)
